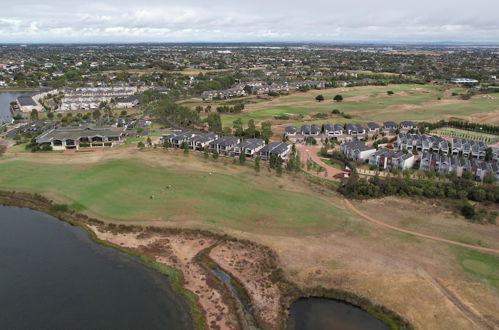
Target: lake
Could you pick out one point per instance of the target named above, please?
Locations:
(328, 314)
(54, 276)
(5, 99)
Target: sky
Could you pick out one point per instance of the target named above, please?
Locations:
(32, 21)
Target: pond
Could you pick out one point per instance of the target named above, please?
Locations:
(54, 276)
(329, 314)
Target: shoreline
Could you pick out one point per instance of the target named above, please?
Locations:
(161, 249)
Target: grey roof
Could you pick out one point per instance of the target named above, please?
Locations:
(408, 123)
(306, 129)
(26, 100)
(356, 145)
(314, 129)
(351, 127)
(251, 144)
(179, 136)
(338, 127)
(372, 125)
(328, 127)
(360, 127)
(290, 129)
(275, 148)
(203, 138)
(390, 124)
(225, 141)
(76, 133)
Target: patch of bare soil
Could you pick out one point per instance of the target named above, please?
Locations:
(247, 265)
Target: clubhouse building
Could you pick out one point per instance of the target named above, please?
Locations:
(76, 138)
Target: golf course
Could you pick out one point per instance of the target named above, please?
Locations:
(317, 237)
(366, 103)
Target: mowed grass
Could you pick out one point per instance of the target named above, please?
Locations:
(131, 190)
(482, 265)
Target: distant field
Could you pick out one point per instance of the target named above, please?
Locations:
(463, 134)
(122, 190)
(409, 102)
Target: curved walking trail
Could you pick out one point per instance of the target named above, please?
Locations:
(439, 239)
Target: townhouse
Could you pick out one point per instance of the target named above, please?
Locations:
(177, 139)
(224, 145)
(447, 163)
(278, 149)
(357, 151)
(389, 159)
(249, 147)
(200, 141)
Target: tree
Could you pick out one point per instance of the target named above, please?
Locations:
(257, 164)
(50, 115)
(238, 126)
(227, 131)
(319, 98)
(488, 154)
(184, 146)
(205, 152)
(215, 122)
(149, 141)
(96, 114)
(199, 109)
(251, 131)
(390, 93)
(278, 168)
(140, 145)
(266, 130)
(242, 158)
(468, 210)
(338, 98)
(34, 115)
(215, 154)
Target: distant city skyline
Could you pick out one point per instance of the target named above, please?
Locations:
(50, 21)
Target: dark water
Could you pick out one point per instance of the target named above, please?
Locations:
(5, 99)
(327, 314)
(53, 276)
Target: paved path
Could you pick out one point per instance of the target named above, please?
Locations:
(311, 152)
(371, 219)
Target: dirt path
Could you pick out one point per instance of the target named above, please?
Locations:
(469, 313)
(311, 152)
(439, 239)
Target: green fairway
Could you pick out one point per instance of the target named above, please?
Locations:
(131, 190)
(409, 102)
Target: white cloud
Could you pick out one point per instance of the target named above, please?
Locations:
(257, 20)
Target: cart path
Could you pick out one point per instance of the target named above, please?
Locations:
(439, 239)
(311, 152)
